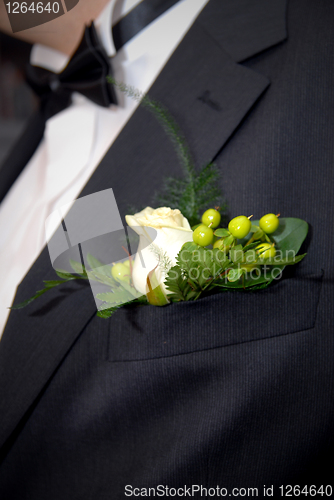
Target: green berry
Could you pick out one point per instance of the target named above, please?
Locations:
(211, 218)
(269, 223)
(240, 226)
(218, 243)
(203, 235)
(266, 250)
(120, 272)
(127, 263)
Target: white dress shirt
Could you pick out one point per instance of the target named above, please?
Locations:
(60, 168)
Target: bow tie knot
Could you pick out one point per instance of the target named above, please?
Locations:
(86, 73)
(54, 83)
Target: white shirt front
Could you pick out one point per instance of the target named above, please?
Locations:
(59, 169)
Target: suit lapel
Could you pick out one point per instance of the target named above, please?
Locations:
(209, 94)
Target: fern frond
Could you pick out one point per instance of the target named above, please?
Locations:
(161, 255)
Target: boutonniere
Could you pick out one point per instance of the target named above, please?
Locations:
(186, 248)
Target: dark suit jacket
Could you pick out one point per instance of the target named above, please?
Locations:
(234, 390)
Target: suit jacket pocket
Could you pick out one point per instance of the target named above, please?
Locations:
(148, 332)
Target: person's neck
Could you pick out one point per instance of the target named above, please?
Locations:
(63, 33)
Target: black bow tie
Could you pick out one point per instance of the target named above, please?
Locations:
(86, 73)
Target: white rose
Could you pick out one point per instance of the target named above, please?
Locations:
(171, 231)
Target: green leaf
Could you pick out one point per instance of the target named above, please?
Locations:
(221, 232)
(236, 254)
(192, 295)
(190, 246)
(106, 313)
(290, 234)
(98, 266)
(53, 283)
(183, 258)
(228, 240)
(249, 282)
(281, 262)
(77, 267)
(220, 258)
(28, 301)
(250, 246)
(133, 293)
(65, 275)
(258, 235)
(250, 256)
(107, 297)
(235, 274)
(176, 283)
(101, 277)
(48, 285)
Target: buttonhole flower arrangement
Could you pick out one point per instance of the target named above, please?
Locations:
(192, 253)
